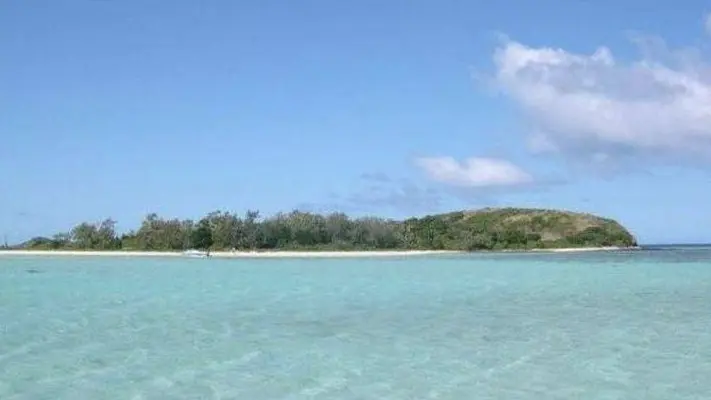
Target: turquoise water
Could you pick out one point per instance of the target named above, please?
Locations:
(536, 326)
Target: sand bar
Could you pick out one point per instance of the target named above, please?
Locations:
(292, 254)
(586, 249)
(230, 254)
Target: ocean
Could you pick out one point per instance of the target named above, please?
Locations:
(621, 325)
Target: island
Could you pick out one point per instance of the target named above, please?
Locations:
(489, 229)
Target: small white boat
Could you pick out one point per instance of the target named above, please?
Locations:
(196, 253)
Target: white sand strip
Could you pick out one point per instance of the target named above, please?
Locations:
(586, 249)
(290, 254)
(229, 254)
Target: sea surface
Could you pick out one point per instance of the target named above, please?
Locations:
(623, 325)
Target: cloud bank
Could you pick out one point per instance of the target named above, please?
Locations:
(598, 108)
(592, 109)
(615, 115)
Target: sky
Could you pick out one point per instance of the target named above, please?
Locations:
(117, 109)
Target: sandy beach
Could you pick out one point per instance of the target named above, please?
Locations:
(286, 254)
(586, 249)
(230, 254)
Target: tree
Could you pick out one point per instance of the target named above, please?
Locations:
(159, 234)
(201, 236)
(61, 240)
(84, 236)
(250, 232)
(106, 238)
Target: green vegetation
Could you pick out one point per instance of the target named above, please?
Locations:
(487, 229)
(201, 236)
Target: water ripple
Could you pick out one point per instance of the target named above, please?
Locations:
(485, 327)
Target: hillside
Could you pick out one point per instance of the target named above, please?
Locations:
(486, 229)
(520, 228)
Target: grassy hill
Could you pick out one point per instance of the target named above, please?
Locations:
(518, 228)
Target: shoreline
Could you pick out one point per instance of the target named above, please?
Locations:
(586, 249)
(231, 254)
(296, 254)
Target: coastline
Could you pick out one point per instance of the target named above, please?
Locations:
(232, 254)
(295, 254)
(586, 249)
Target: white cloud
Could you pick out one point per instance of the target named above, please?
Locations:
(474, 172)
(707, 23)
(595, 107)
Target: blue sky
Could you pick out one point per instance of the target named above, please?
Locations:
(120, 108)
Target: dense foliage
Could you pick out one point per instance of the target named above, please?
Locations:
(488, 229)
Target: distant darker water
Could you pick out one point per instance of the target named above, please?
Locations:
(672, 246)
(619, 325)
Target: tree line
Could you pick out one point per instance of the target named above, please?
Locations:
(300, 230)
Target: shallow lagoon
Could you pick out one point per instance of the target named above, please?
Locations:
(516, 326)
